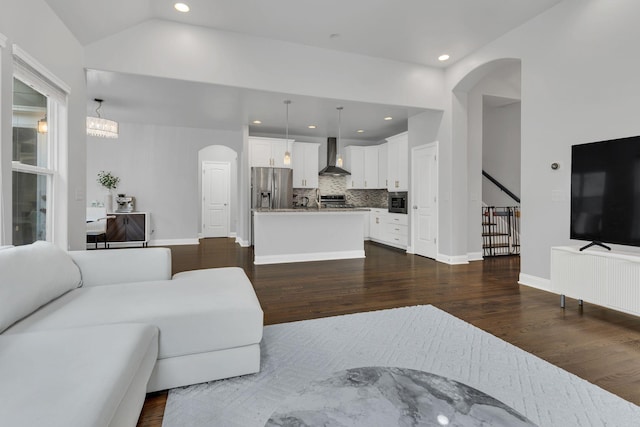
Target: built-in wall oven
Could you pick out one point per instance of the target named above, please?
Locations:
(398, 202)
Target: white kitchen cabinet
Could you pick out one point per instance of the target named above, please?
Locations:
(371, 167)
(388, 228)
(396, 230)
(376, 224)
(398, 162)
(304, 158)
(354, 163)
(267, 152)
(362, 162)
(383, 150)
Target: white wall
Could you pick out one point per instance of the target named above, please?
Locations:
(160, 167)
(572, 93)
(173, 50)
(501, 153)
(37, 30)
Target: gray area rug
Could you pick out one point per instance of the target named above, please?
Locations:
(297, 355)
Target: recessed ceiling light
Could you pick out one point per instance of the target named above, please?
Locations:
(443, 57)
(311, 126)
(360, 130)
(181, 7)
(257, 122)
(388, 118)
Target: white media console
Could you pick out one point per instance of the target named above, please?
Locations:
(609, 279)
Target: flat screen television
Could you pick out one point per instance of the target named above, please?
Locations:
(605, 191)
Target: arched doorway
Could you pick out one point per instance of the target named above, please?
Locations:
(487, 133)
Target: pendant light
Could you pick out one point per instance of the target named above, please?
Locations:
(103, 128)
(287, 154)
(339, 158)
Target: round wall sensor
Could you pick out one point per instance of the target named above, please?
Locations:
(555, 166)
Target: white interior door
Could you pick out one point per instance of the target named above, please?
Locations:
(215, 199)
(425, 200)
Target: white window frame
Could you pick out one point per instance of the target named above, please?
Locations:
(31, 72)
(3, 45)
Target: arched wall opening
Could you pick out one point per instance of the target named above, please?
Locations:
(485, 134)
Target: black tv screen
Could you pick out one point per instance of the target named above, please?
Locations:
(605, 191)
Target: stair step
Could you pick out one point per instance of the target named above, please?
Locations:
(489, 223)
(494, 234)
(495, 246)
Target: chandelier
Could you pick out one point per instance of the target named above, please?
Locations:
(103, 128)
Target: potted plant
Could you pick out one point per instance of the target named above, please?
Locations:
(109, 182)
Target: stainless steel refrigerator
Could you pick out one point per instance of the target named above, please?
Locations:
(271, 188)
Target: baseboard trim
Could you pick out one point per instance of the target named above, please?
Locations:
(243, 243)
(535, 282)
(452, 260)
(316, 256)
(173, 242)
(475, 256)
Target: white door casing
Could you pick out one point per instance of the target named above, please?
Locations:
(215, 199)
(424, 227)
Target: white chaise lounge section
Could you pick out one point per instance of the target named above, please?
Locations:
(210, 321)
(76, 377)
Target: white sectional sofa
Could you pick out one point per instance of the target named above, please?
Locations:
(85, 334)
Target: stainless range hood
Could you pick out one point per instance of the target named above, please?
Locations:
(332, 169)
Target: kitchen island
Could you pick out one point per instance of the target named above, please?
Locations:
(295, 235)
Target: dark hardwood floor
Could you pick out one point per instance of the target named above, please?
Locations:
(597, 344)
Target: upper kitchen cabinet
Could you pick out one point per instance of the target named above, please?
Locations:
(354, 163)
(362, 162)
(371, 167)
(398, 162)
(304, 158)
(383, 150)
(267, 152)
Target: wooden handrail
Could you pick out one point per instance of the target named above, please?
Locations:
(500, 186)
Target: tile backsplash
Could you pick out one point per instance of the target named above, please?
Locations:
(338, 185)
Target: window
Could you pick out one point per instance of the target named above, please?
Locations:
(38, 107)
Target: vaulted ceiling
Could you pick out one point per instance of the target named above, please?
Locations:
(415, 31)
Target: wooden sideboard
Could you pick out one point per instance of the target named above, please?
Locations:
(128, 228)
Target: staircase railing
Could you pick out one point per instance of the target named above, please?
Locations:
(500, 230)
(500, 186)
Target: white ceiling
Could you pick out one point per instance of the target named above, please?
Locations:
(153, 100)
(416, 31)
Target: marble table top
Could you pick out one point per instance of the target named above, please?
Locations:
(385, 396)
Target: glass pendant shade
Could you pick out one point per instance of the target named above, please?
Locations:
(287, 154)
(339, 157)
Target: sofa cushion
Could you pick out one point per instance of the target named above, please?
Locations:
(32, 275)
(75, 377)
(101, 268)
(196, 312)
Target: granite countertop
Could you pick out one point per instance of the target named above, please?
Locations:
(310, 210)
